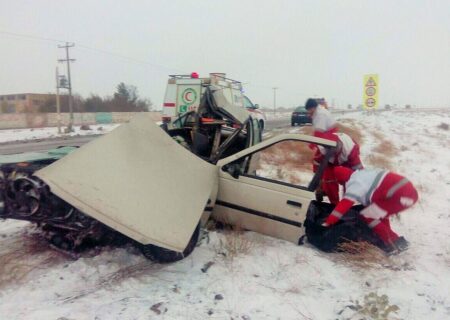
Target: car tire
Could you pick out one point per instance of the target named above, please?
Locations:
(293, 124)
(261, 125)
(162, 255)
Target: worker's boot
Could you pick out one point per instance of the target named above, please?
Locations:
(402, 244)
(397, 246)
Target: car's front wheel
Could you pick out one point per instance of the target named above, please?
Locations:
(292, 123)
(162, 255)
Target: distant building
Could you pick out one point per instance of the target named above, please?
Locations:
(24, 102)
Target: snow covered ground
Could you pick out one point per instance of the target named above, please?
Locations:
(51, 132)
(252, 276)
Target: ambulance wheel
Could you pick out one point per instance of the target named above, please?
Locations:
(162, 255)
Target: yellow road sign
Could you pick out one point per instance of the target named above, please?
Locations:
(370, 91)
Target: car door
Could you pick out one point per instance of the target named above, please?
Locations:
(268, 187)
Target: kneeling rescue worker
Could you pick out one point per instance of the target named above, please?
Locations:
(383, 194)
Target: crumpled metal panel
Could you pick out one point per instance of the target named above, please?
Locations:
(138, 181)
(225, 103)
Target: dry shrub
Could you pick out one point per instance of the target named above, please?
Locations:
(377, 135)
(353, 132)
(383, 152)
(379, 161)
(234, 243)
(363, 255)
(443, 126)
(108, 281)
(29, 253)
(386, 148)
(374, 307)
(353, 123)
(133, 271)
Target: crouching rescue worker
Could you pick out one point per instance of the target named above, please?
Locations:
(383, 194)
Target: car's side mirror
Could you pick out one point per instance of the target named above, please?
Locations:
(256, 106)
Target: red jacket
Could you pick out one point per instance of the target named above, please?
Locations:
(366, 186)
(347, 153)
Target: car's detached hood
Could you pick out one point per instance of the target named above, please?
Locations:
(138, 181)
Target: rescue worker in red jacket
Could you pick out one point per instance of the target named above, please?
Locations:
(383, 194)
(323, 122)
(346, 155)
(347, 151)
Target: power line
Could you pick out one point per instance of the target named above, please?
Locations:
(130, 58)
(28, 36)
(85, 47)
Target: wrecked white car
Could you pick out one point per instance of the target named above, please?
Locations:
(142, 183)
(156, 186)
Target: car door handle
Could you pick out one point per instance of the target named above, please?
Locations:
(294, 203)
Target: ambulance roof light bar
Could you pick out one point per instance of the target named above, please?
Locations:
(193, 75)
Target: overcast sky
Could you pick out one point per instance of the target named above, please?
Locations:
(305, 48)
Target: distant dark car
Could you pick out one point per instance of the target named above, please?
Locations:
(300, 116)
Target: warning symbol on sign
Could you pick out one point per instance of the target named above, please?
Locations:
(371, 82)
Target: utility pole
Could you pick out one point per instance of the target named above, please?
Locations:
(69, 82)
(274, 99)
(58, 105)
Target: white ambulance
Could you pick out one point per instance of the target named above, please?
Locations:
(185, 92)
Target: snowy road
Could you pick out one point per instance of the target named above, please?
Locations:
(47, 141)
(46, 144)
(252, 276)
